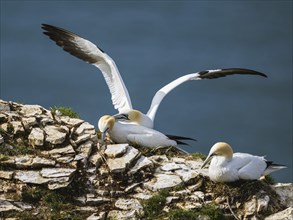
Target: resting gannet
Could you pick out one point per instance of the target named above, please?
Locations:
(137, 134)
(228, 167)
(90, 53)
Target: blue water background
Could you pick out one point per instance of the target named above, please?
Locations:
(152, 43)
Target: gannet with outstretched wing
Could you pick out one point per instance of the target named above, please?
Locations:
(228, 167)
(90, 53)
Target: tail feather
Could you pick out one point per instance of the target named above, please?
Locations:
(272, 167)
(183, 151)
(176, 138)
(180, 142)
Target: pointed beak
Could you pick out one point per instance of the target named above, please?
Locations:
(207, 160)
(121, 117)
(104, 135)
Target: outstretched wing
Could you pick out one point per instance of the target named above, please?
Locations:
(213, 74)
(90, 53)
(207, 74)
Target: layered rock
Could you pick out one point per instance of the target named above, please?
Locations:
(48, 159)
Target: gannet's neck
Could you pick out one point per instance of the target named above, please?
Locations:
(219, 161)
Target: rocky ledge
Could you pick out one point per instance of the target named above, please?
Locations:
(52, 166)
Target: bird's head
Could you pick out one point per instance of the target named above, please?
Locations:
(219, 149)
(135, 116)
(105, 124)
(132, 116)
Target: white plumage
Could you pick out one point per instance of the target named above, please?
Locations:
(134, 134)
(228, 167)
(90, 53)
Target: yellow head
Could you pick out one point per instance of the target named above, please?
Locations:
(219, 149)
(105, 124)
(135, 116)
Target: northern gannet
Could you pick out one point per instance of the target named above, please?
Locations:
(90, 53)
(137, 134)
(228, 167)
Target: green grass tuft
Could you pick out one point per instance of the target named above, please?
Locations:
(153, 207)
(9, 150)
(179, 214)
(209, 210)
(270, 180)
(66, 111)
(56, 204)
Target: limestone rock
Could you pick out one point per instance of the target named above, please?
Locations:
(286, 214)
(159, 159)
(187, 174)
(116, 150)
(84, 150)
(17, 127)
(47, 121)
(142, 196)
(96, 159)
(58, 152)
(95, 216)
(117, 165)
(250, 207)
(128, 204)
(57, 172)
(125, 215)
(92, 199)
(30, 176)
(28, 122)
(141, 163)
(179, 160)
(57, 183)
(262, 203)
(163, 181)
(62, 155)
(82, 138)
(85, 128)
(4, 106)
(6, 174)
(170, 199)
(7, 206)
(54, 135)
(285, 191)
(12, 116)
(36, 137)
(23, 206)
(72, 122)
(1, 139)
(194, 164)
(170, 167)
(31, 110)
(32, 161)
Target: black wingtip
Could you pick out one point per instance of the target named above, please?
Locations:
(213, 74)
(247, 71)
(55, 33)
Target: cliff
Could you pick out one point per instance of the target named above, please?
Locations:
(53, 167)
